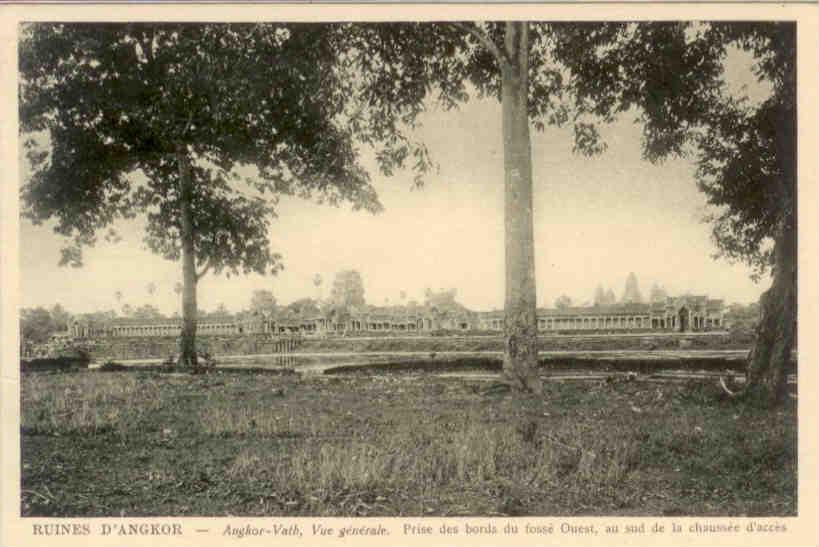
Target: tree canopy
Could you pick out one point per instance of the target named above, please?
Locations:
(156, 119)
(673, 75)
(348, 290)
(117, 101)
(304, 306)
(263, 301)
(146, 312)
(37, 325)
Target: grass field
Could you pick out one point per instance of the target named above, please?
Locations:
(147, 443)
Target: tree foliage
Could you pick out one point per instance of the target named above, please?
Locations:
(348, 290)
(61, 317)
(116, 102)
(745, 151)
(160, 119)
(36, 325)
(263, 301)
(304, 307)
(563, 302)
(221, 311)
(146, 312)
(673, 75)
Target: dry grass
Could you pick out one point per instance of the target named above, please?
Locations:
(146, 443)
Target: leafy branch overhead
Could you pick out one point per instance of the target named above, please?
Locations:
(117, 101)
(114, 101)
(159, 119)
(673, 76)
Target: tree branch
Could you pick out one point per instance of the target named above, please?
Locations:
(523, 54)
(203, 271)
(485, 41)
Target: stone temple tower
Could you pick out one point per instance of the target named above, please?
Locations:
(631, 294)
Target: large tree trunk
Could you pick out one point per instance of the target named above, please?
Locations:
(776, 332)
(520, 355)
(187, 344)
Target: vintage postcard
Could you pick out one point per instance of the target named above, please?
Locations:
(423, 274)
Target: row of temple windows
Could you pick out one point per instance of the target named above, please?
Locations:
(172, 329)
(594, 322)
(496, 324)
(613, 322)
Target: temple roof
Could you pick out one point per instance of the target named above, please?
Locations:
(613, 309)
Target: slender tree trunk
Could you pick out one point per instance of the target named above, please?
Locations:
(187, 345)
(520, 355)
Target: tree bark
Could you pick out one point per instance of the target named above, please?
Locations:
(770, 356)
(187, 343)
(520, 355)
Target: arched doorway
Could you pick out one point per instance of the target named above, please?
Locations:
(683, 319)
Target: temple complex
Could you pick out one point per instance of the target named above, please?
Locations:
(688, 313)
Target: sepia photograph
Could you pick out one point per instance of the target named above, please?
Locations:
(463, 269)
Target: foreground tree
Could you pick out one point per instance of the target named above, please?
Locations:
(156, 118)
(171, 100)
(745, 151)
(512, 62)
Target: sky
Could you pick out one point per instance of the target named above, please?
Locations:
(596, 220)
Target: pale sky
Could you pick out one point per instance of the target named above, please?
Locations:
(596, 220)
